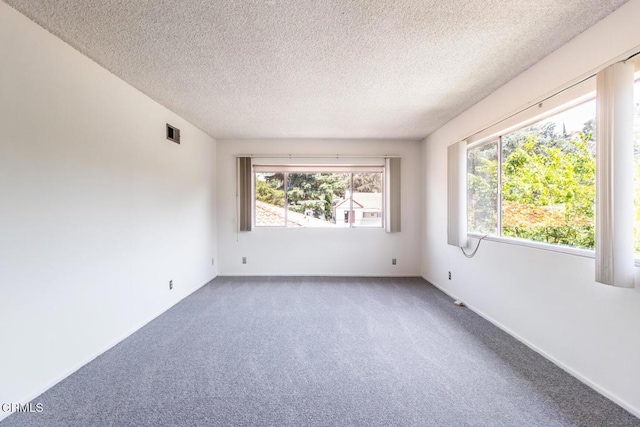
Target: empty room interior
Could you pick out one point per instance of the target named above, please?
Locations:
(291, 213)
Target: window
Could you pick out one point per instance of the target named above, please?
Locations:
(312, 197)
(367, 199)
(269, 204)
(305, 198)
(538, 182)
(482, 184)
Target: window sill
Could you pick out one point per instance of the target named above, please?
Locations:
(585, 253)
(281, 227)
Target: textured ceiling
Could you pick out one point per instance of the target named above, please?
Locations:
(316, 69)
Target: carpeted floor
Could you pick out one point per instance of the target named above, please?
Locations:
(316, 351)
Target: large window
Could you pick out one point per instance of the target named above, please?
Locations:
(319, 199)
(538, 182)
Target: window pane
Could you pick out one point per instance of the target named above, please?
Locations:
(636, 157)
(367, 199)
(312, 198)
(482, 184)
(269, 210)
(548, 179)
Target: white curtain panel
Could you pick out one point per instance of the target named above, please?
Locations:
(457, 194)
(614, 176)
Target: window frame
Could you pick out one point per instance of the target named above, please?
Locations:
(288, 169)
(497, 137)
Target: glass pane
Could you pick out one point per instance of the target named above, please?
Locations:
(269, 201)
(482, 185)
(548, 179)
(313, 197)
(636, 157)
(366, 209)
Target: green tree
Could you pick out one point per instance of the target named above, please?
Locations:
(548, 190)
(367, 182)
(316, 192)
(270, 191)
(482, 181)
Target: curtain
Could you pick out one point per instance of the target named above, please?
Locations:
(457, 194)
(393, 189)
(244, 193)
(614, 176)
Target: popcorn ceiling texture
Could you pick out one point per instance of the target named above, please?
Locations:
(317, 69)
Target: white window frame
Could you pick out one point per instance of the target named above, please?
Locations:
(491, 135)
(287, 169)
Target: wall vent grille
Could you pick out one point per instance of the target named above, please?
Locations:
(173, 134)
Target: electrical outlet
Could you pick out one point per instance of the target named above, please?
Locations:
(449, 275)
(213, 261)
(244, 259)
(394, 261)
(170, 284)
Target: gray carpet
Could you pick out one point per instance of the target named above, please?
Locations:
(317, 351)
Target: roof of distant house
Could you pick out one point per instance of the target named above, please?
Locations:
(268, 215)
(365, 201)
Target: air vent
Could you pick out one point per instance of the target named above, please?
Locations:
(173, 134)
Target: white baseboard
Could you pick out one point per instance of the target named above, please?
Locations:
(98, 353)
(416, 275)
(606, 393)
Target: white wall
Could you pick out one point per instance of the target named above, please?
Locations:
(324, 252)
(98, 211)
(547, 299)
